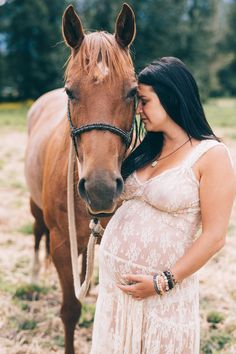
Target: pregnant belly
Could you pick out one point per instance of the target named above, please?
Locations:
(138, 240)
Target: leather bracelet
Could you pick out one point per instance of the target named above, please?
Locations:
(155, 283)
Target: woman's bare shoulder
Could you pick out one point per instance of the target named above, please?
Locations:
(218, 160)
(217, 154)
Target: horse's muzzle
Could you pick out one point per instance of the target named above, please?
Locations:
(101, 191)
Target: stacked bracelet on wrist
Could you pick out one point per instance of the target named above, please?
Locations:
(169, 281)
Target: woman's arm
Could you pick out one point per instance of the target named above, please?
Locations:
(217, 190)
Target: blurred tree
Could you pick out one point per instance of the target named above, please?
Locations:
(98, 13)
(34, 55)
(158, 24)
(33, 60)
(183, 28)
(198, 40)
(227, 74)
(4, 80)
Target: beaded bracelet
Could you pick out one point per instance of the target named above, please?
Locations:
(159, 284)
(171, 279)
(168, 278)
(167, 288)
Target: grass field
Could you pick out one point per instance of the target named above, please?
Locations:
(29, 315)
(220, 112)
(13, 115)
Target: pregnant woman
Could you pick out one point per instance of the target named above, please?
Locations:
(148, 300)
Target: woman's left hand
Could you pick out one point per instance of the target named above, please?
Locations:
(141, 286)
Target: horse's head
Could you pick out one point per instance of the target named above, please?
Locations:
(101, 86)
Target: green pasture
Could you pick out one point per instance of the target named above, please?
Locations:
(14, 115)
(220, 112)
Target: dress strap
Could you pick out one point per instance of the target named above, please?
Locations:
(201, 149)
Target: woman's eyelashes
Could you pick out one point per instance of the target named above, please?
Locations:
(142, 101)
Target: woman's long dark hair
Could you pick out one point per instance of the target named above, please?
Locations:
(178, 93)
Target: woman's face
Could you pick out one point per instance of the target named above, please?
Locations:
(150, 109)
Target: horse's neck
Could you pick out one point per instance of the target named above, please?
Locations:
(47, 123)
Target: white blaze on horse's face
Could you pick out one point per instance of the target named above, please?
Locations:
(103, 69)
(101, 80)
(102, 73)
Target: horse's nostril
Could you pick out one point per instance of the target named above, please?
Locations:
(119, 185)
(81, 188)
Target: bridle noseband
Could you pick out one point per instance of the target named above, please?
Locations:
(125, 136)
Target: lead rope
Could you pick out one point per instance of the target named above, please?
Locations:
(96, 230)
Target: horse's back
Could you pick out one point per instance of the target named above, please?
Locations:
(44, 117)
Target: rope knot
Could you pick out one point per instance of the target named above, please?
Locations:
(96, 227)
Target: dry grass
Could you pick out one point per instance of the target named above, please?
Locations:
(29, 316)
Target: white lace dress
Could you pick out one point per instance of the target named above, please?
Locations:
(151, 230)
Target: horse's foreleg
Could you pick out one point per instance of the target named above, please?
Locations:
(71, 307)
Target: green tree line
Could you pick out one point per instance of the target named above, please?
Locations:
(202, 33)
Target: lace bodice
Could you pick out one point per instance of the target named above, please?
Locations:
(173, 190)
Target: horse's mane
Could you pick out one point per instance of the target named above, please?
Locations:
(101, 48)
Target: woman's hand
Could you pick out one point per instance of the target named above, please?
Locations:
(141, 286)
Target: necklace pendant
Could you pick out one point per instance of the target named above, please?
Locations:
(154, 163)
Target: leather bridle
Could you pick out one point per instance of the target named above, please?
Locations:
(125, 136)
(80, 291)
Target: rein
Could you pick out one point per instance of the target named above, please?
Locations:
(96, 230)
(94, 225)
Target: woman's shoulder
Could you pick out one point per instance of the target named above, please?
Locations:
(217, 159)
(208, 149)
(216, 151)
(210, 158)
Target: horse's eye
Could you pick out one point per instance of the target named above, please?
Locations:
(132, 93)
(69, 93)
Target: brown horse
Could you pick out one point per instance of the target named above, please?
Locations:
(101, 85)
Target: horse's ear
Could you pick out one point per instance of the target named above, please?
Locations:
(72, 28)
(125, 26)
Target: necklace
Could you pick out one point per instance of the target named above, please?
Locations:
(154, 163)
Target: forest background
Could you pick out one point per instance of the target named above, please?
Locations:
(202, 33)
